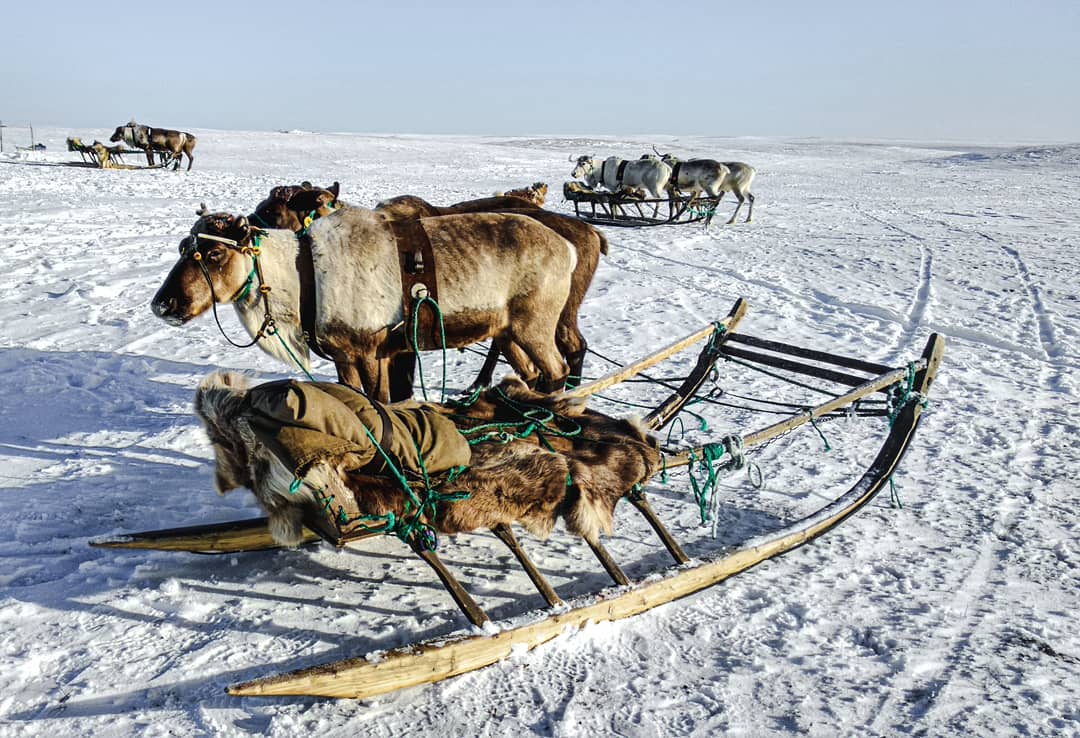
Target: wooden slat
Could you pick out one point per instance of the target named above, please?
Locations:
(798, 367)
(219, 538)
(793, 422)
(637, 367)
(827, 358)
(670, 407)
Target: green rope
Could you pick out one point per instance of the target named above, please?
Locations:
(292, 356)
(814, 425)
(534, 419)
(897, 400)
(906, 393)
(705, 491)
(416, 345)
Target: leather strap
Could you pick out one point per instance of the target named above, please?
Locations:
(305, 267)
(418, 279)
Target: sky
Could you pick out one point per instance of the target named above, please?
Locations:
(972, 71)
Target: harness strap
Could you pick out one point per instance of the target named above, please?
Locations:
(620, 170)
(305, 266)
(675, 173)
(418, 280)
(386, 435)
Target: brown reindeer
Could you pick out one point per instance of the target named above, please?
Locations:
(534, 193)
(589, 243)
(295, 206)
(172, 144)
(267, 436)
(502, 276)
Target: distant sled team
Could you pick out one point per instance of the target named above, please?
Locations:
(169, 145)
(616, 189)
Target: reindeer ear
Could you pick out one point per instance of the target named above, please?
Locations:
(241, 223)
(203, 210)
(334, 188)
(305, 185)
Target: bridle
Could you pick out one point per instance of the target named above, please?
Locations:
(268, 327)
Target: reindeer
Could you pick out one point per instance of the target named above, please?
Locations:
(589, 243)
(649, 174)
(171, 143)
(729, 176)
(620, 175)
(503, 276)
(295, 206)
(534, 193)
(291, 206)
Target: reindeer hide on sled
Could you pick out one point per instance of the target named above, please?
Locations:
(576, 468)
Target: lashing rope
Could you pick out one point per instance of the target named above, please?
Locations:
(416, 344)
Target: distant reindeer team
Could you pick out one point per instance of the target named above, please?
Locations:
(661, 175)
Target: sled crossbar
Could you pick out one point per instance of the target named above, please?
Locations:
(797, 367)
(805, 353)
(768, 433)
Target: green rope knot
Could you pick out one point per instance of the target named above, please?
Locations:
(901, 393)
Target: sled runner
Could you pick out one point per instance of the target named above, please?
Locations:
(890, 396)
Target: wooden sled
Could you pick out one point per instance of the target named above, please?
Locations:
(905, 388)
(624, 209)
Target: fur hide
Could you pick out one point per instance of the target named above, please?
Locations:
(520, 481)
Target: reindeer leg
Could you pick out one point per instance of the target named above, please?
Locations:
(462, 598)
(750, 213)
(608, 563)
(506, 535)
(402, 373)
(519, 361)
(573, 347)
(741, 198)
(487, 372)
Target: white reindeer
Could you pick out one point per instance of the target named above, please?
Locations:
(714, 178)
(616, 174)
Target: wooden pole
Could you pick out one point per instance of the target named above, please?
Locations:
(777, 429)
(637, 367)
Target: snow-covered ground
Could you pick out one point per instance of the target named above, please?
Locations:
(956, 615)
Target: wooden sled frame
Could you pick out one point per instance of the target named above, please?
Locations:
(617, 209)
(447, 657)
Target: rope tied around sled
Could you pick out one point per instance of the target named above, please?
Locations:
(707, 464)
(896, 400)
(534, 419)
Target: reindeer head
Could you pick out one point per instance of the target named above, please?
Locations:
(212, 268)
(586, 165)
(288, 206)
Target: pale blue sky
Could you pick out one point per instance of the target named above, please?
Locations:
(976, 71)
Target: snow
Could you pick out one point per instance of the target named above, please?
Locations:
(955, 615)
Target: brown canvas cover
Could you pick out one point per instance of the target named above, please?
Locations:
(305, 422)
